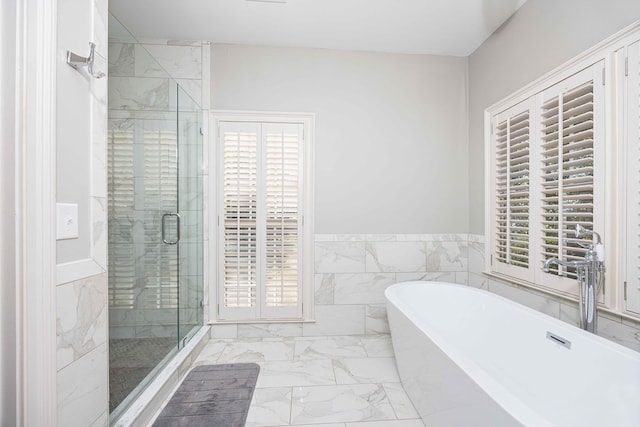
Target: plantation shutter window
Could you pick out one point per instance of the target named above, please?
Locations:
(547, 174)
(511, 190)
(571, 171)
(261, 219)
(282, 208)
(240, 218)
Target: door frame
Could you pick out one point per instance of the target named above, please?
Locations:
(35, 196)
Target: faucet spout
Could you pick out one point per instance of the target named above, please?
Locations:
(548, 263)
(555, 261)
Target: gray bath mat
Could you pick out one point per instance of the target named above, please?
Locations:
(212, 396)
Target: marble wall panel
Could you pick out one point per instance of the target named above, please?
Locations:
(83, 389)
(81, 318)
(439, 276)
(376, 321)
(324, 288)
(447, 256)
(131, 93)
(270, 330)
(222, 331)
(362, 288)
(340, 257)
(336, 320)
(395, 256)
(181, 62)
(525, 297)
(146, 65)
(193, 88)
(618, 332)
(121, 60)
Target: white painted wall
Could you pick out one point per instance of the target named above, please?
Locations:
(539, 37)
(391, 148)
(7, 225)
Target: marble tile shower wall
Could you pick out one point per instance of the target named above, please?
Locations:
(351, 274)
(142, 137)
(622, 331)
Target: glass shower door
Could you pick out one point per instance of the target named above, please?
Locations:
(155, 202)
(144, 236)
(190, 204)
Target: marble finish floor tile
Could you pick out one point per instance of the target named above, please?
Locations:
(324, 381)
(257, 351)
(270, 407)
(364, 371)
(400, 401)
(340, 403)
(296, 373)
(378, 346)
(331, 348)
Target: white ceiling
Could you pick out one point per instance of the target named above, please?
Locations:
(440, 27)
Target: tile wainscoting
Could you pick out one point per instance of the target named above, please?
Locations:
(351, 273)
(353, 270)
(82, 350)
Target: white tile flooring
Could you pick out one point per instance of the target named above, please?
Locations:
(344, 381)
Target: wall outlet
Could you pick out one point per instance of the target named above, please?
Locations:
(66, 221)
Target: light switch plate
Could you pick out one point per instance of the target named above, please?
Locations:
(66, 221)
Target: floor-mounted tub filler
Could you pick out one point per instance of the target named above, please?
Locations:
(468, 357)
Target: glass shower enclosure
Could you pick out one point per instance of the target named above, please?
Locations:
(155, 204)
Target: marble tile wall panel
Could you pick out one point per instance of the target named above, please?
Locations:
(324, 288)
(340, 257)
(447, 256)
(181, 62)
(145, 64)
(267, 330)
(336, 320)
(121, 60)
(524, 297)
(131, 93)
(83, 389)
(193, 88)
(476, 254)
(376, 321)
(440, 276)
(224, 331)
(81, 318)
(361, 288)
(395, 256)
(478, 281)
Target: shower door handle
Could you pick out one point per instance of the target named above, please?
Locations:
(164, 219)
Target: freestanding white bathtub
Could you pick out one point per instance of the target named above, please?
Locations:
(468, 357)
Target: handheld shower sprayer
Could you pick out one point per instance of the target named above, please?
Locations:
(581, 232)
(590, 275)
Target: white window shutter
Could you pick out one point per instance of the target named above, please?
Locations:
(631, 292)
(261, 221)
(283, 200)
(572, 171)
(511, 154)
(239, 290)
